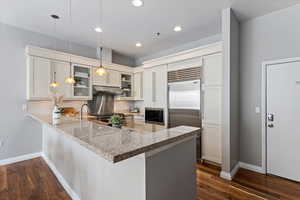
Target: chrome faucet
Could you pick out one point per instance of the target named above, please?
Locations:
(82, 108)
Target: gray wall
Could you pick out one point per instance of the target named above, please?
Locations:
(230, 103)
(270, 37)
(190, 45)
(21, 135)
(122, 59)
(234, 90)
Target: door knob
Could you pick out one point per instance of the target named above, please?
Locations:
(270, 125)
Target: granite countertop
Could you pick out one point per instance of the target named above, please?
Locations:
(115, 144)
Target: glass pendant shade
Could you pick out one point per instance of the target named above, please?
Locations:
(70, 80)
(54, 84)
(100, 71)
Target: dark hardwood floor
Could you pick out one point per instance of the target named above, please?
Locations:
(246, 185)
(30, 180)
(33, 180)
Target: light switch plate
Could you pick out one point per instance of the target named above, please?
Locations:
(257, 110)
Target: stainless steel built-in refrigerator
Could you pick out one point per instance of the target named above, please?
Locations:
(184, 106)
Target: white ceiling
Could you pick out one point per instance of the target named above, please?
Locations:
(124, 25)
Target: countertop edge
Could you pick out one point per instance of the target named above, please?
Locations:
(123, 156)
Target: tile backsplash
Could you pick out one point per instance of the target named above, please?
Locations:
(45, 107)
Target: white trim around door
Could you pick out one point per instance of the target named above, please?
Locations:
(264, 105)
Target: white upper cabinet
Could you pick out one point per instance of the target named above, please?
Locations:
(42, 64)
(42, 71)
(97, 79)
(212, 71)
(82, 88)
(113, 78)
(38, 78)
(62, 72)
(127, 86)
(155, 87)
(160, 86)
(138, 85)
(148, 88)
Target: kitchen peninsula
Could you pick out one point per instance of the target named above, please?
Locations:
(93, 161)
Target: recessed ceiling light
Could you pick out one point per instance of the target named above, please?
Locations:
(138, 44)
(137, 3)
(177, 28)
(98, 29)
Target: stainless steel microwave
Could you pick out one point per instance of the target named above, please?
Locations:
(154, 115)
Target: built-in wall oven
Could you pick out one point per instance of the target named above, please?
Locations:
(154, 115)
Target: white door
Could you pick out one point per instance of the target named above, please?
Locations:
(283, 131)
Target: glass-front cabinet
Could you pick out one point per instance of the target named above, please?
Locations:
(82, 88)
(127, 85)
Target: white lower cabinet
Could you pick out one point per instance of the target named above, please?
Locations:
(38, 78)
(211, 143)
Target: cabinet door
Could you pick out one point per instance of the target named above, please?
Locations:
(212, 72)
(97, 79)
(148, 88)
(82, 89)
(138, 86)
(127, 85)
(212, 108)
(113, 78)
(39, 78)
(160, 84)
(62, 70)
(212, 143)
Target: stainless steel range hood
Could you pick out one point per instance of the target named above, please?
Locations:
(102, 103)
(105, 89)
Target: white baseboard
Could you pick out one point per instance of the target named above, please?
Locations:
(230, 176)
(61, 179)
(19, 158)
(254, 168)
(212, 159)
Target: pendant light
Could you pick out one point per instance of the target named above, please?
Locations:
(54, 83)
(70, 79)
(100, 69)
